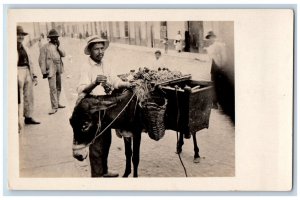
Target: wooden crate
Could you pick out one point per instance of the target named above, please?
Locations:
(194, 106)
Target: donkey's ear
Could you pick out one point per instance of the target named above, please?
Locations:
(103, 105)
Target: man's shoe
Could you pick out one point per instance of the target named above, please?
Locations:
(61, 106)
(29, 120)
(110, 175)
(52, 111)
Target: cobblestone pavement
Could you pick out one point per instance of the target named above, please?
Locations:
(45, 150)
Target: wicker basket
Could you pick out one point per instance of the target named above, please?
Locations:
(154, 112)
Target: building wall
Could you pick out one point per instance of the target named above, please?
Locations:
(147, 33)
(173, 28)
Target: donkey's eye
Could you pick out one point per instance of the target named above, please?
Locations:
(85, 126)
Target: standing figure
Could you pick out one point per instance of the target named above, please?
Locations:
(177, 42)
(51, 65)
(42, 41)
(97, 78)
(218, 56)
(166, 44)
(26, 80)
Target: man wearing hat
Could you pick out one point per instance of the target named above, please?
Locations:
(52, 67)
(97, 78)
(26, 80)
(218, 56)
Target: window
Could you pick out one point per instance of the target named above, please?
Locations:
(163, 23)
(96, 30)
(117, 29)
(126, 29)
(163, 29)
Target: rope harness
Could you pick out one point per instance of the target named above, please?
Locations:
(177, 133)
(123, 109)
(99, 123)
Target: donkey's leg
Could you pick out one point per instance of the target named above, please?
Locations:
(180, 143)
(128, 154)
(196, 149)
(136, 153)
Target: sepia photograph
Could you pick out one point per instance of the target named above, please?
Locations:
(110, 99)
(151, 98)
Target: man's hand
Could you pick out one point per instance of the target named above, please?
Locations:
(57, 43)
(45, 76)
(128, 85)
(132, 84)
(100, 79)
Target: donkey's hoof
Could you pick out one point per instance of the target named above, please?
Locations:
(178, 151)
(126, 174)
(196, 160)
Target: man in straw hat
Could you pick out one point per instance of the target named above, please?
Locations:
(51, 65)
(26, 80)
(97, 78)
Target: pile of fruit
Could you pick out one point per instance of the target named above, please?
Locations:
(146, 80)
(155, 76)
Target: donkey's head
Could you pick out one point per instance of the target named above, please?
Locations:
(85, 121)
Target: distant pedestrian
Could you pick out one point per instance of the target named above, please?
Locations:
(178, 42)
(51, 65)
(42, 41)
(166, 44)
(26, 80)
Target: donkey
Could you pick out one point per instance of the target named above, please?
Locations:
(119, 110)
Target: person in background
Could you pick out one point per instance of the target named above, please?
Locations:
(158, 62)
(50, 61)
(42, 41)
(166, 44)
(178, 42)
(216, 52)
(97, 78)
(26, 79)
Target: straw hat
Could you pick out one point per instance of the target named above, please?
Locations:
(95, 39)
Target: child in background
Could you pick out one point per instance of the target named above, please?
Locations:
(158, 62)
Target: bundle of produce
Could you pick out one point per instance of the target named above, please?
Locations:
(146, 80)
(156, 76)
